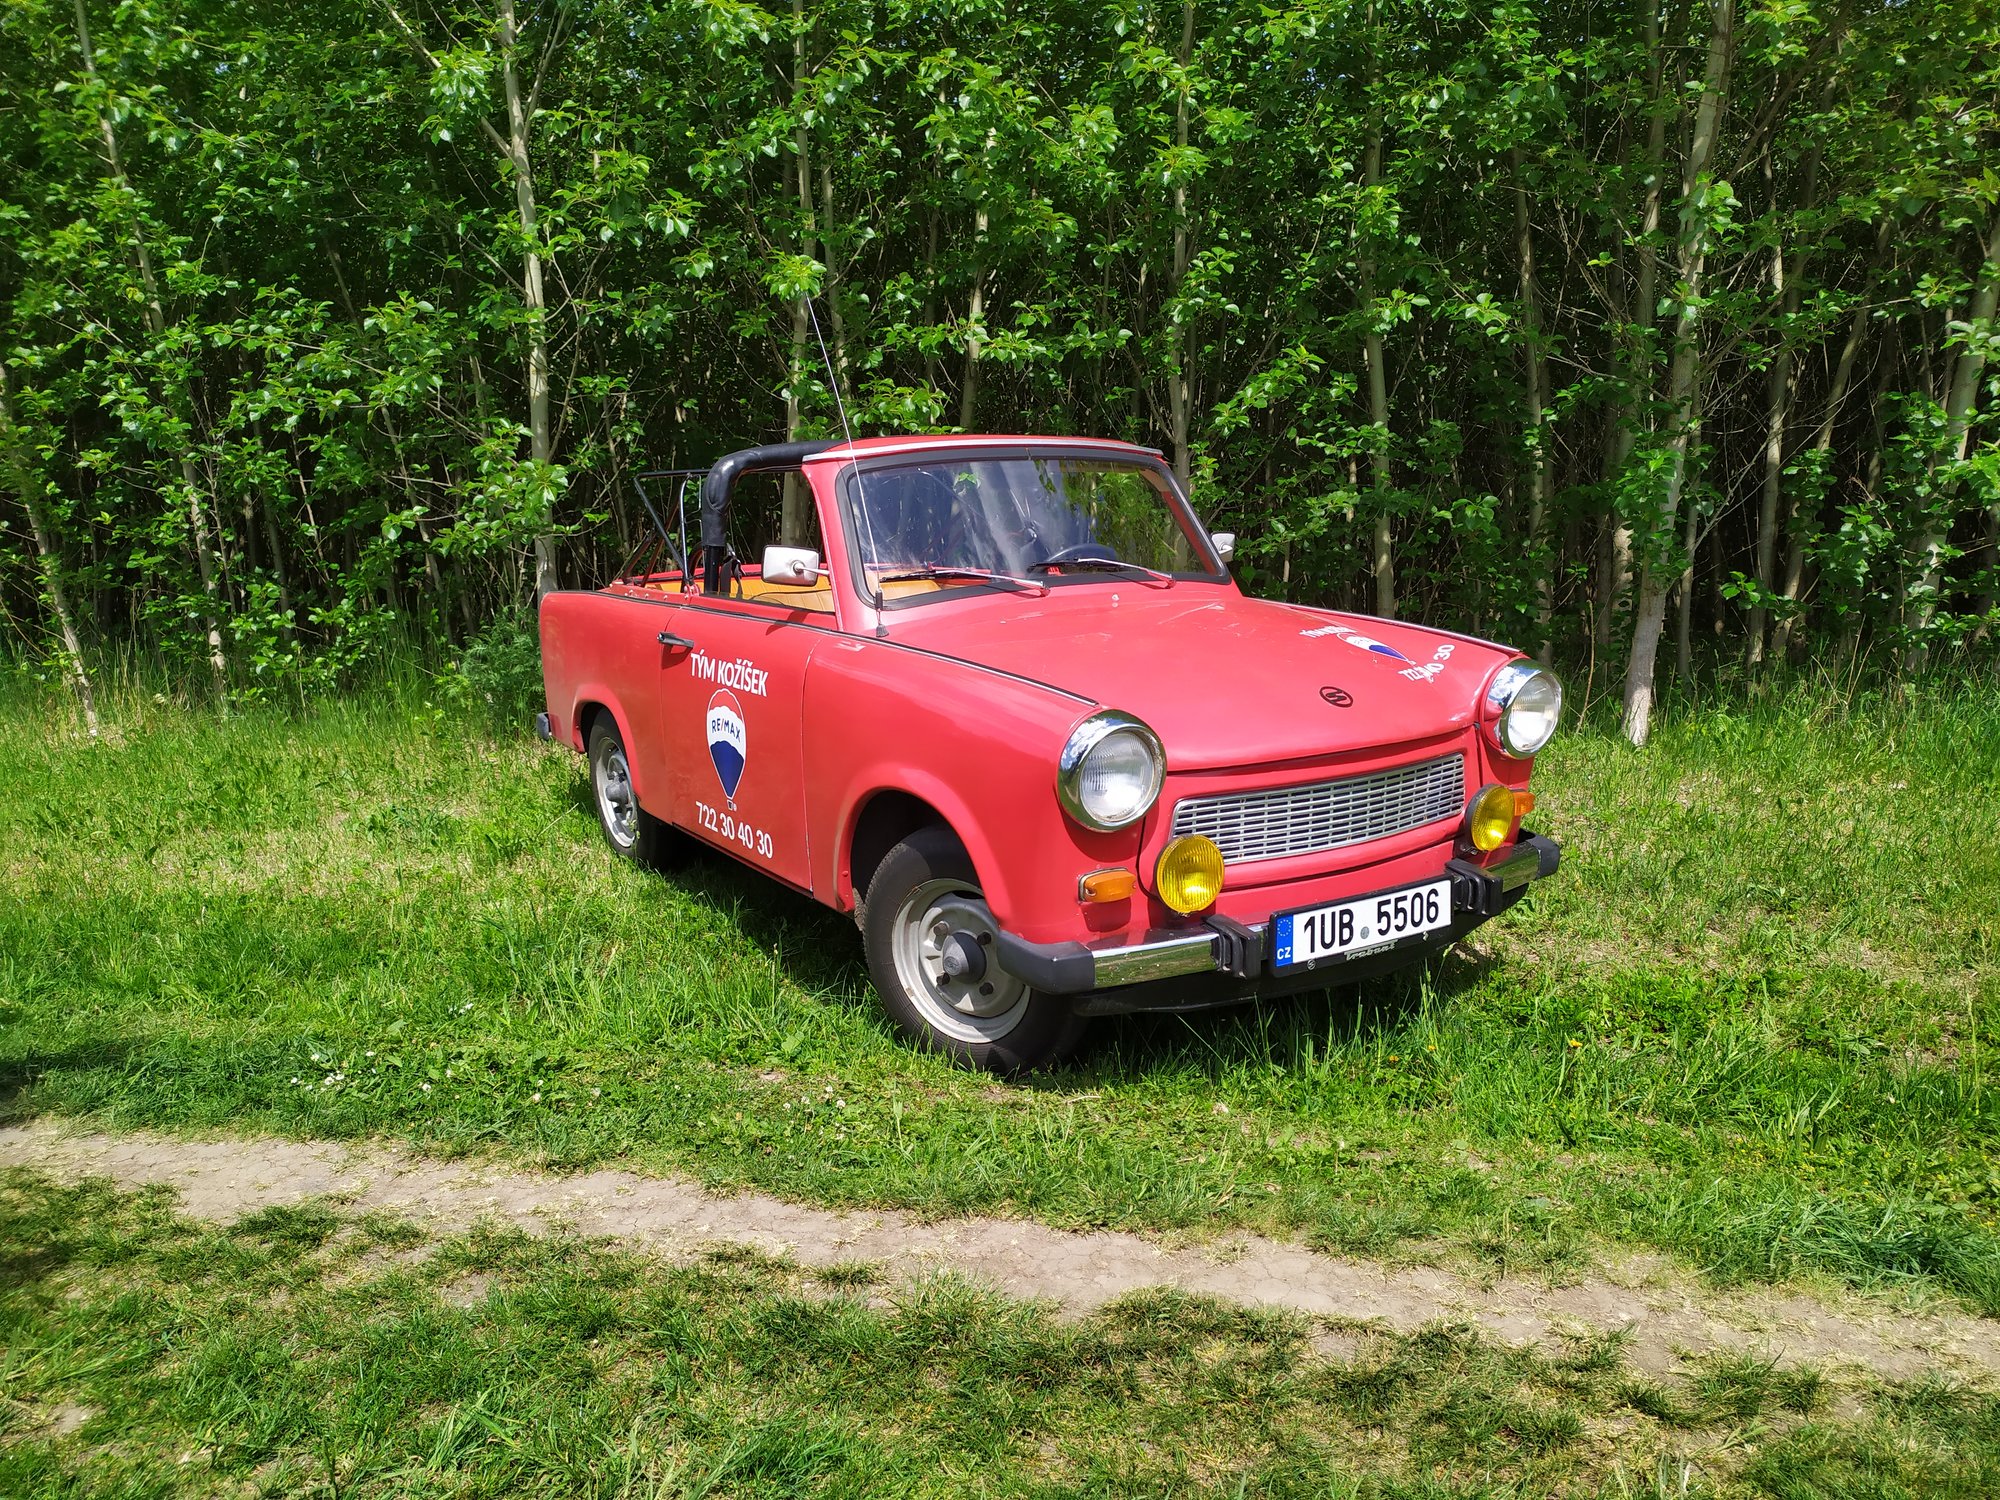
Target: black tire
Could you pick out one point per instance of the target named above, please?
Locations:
(631, 831)
(1009, 1027)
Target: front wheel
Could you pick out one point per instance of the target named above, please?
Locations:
(936, 968)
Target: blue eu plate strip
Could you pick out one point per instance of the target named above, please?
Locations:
(1283, 955)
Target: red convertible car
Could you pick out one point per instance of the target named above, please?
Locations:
(1000, 698)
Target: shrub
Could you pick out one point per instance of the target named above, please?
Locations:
(499, 674)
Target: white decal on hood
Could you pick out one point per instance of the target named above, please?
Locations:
(1432, 667)
(1355, 638)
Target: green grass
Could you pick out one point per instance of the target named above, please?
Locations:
(306, 1352)
(1749, 1023)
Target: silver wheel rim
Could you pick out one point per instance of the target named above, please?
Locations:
(966, 1010)
(616, 806)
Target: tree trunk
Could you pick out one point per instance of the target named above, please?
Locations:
(1384, 553)
(1989, 603)
(1536, 396)
(156, 321)
(541, 443)
(930, 306)
(1683, 381)
(1960, 397)
(1639, 329)
(836, 319)
(434, 576)
(1684, 605)
(975, 315)
(1801, 522)
(1780, 388)
(277, 551)
(14, 464)
(796, 504)
(1178, 394)
(1609, 585)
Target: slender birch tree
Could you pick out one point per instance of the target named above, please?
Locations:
(1699, 190)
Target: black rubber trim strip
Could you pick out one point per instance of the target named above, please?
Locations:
(1479, 891)
(1052, 968)
(1240, 951)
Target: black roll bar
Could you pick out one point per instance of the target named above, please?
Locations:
(721, 480)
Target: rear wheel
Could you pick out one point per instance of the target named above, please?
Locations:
(629, 829)
(933, 956)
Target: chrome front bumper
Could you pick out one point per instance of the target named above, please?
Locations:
(1161, 958)
(1222, 946)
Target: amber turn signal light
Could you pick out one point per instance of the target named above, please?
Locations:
(1489, 818)
(1524, 803)
(1106, 885)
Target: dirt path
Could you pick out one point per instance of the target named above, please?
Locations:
(1665, 1312)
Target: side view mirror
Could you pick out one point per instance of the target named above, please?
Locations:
(1225, 544)
(794, 567)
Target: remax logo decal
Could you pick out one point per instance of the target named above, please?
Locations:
(1356, 638)
(728, 741)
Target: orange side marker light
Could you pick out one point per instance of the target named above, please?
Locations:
(1106, 885)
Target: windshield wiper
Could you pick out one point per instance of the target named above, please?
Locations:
(984, 575)
(1117, 565)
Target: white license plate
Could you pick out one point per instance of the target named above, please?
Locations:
(1347, 928)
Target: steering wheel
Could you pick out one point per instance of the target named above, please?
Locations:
(1077, 553)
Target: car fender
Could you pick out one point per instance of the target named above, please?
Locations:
(979, 746)
(600, 694)
(878, 778)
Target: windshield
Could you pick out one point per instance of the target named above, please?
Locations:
(1048, 516)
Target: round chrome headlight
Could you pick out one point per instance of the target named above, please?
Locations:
(1111, 771)
(1522, 706)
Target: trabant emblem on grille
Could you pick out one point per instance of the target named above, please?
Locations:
(1338, 697)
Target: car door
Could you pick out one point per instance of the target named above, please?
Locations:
(733, 685)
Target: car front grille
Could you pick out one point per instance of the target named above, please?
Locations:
(1289, 821)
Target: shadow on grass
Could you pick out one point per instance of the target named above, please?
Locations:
(33, 1249)
(20, 1072)
(24, 1264)
(1285, 1029)
(820, 950)
(817, 947)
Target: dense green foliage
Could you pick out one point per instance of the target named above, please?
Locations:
(304, 1351)
(1751, 1022)
(1528, 318)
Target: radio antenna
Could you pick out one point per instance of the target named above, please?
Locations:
(861, 490)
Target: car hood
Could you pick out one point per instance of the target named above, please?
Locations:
(1225, 680)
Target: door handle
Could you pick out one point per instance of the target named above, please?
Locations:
(674, 642)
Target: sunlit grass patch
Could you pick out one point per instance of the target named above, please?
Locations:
(146, 1354)
(1749, 1022)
